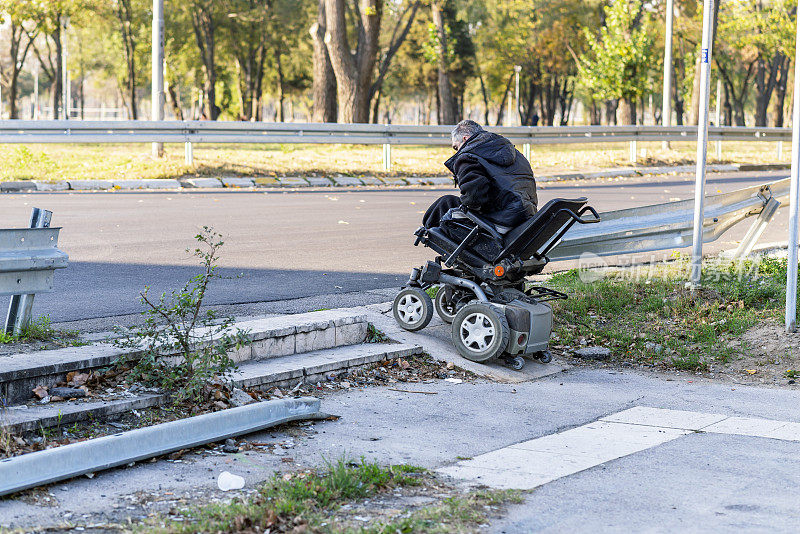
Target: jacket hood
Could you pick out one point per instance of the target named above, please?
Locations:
(493, 148)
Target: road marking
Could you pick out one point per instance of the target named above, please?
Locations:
(538, 461)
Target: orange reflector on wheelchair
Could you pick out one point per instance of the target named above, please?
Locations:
(499, 270)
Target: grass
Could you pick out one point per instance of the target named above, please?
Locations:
(41, 330)
(653, 319)
(54, 162)
(454, 514)
(290, 500)
(315, 502)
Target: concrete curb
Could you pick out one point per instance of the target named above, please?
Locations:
(270, 337)
(347, 181)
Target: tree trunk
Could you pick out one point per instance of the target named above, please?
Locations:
(501, 112)
(780, 92)
(447, 105)
(628, 111)
(204, 29)
(694, 110)
(595, 115)
(611, 111)
(279, 69)
(353, 70)
(57, 85)
(766, 78)
(485, 100)
(124, 14)
(324, 84)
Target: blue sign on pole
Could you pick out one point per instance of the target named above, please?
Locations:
(704, 55)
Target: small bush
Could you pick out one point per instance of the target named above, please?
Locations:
(184, 348)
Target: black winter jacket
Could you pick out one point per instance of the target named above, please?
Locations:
(495, 179)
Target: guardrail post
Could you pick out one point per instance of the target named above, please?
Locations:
(633, 152)
(21, 308)
(526, 151)
(756, 229)
(188, 153)
(702, 146)
(387, 157)
(719, 150)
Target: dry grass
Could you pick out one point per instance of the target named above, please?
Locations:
(132, 161)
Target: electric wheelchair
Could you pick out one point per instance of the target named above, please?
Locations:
(480, 280)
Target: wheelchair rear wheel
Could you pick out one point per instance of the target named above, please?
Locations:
(480, 331)
(412, 309)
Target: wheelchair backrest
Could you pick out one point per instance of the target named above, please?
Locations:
(539, 234)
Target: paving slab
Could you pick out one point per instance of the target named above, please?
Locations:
(89, 185)
(319, 181)
(536, 462)
(347, 181)
(51, 186)
(372, 180)
(238, 182)
(201, 183)
(147, 184)
(293, 181)
(9, 187)
(645, 415)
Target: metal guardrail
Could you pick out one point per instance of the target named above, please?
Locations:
(28, 260)
(190, 132)
(71, 131)
(669, 225)
(60, 463)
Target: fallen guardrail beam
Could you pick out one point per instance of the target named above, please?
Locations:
(60, 463)
(669, 225)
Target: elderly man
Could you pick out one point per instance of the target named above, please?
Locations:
(495, 180)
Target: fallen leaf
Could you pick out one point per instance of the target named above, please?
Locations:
(40, 391)
(750, 371)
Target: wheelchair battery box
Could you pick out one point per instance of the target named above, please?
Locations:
(530, 325)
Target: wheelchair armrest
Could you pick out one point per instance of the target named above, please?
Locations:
(483, 225)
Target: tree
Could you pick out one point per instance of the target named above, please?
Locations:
(129, 15)
(447, 104)
(204, 15)
(50, 18)
(324, 86)
(18, 15)
(617, 65)
(353, 66)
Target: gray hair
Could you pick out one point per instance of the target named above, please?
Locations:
(464, 128)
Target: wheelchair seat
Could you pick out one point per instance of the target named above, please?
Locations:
(480, 245)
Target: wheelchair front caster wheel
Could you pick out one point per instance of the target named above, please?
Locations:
(412, 309)
(545, 356)
(516, 363)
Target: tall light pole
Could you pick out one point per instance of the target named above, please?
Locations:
(666, 108)
(64, 72)
(794, 198)
(157, 87)
(517, 70)
(702, 144)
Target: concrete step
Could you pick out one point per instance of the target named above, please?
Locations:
(313, 366)
(281, 371)
(271, 337)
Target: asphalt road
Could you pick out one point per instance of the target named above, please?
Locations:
(279, 245)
